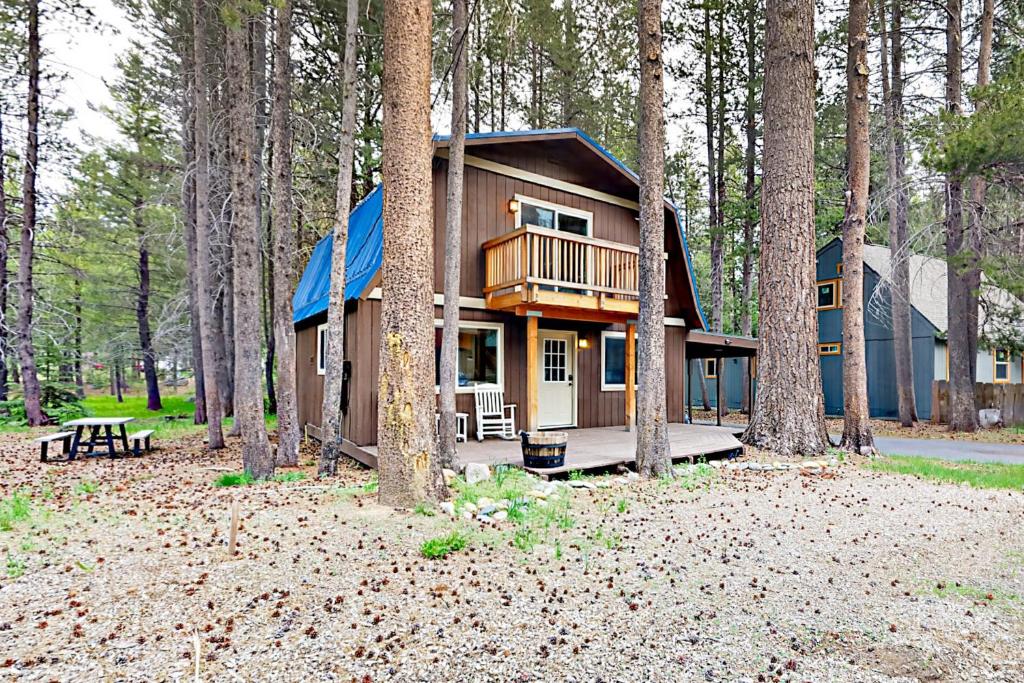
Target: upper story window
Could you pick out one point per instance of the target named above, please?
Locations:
(830, 294)
(1001, 367)
(553, 216)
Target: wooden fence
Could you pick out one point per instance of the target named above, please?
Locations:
(1008, 398)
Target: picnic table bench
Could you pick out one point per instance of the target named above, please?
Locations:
(45, 441)
(140, 438)
(96, 425)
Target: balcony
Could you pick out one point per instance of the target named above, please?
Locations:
(562, 274)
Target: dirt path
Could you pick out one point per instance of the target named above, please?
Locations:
(860, 577)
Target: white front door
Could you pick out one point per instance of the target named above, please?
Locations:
(556, 400)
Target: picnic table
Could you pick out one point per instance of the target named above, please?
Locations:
(95, 425)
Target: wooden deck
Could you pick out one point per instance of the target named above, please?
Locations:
(602, 447)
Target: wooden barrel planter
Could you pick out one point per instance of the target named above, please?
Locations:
(544, 449)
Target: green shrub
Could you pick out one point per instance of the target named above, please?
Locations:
(15, 509)
(234, 479)
(288, 476)
(442, 546)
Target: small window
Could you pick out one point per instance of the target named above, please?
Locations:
(710, 368)
(321, 349)
(829, 295)
(480, 354)
(553, 216)
(830, 349)
(613, 361)
(1001, 368)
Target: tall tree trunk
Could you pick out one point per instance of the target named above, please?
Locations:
(142, 312)
(333, 438)
(188, 201)
(857, 436)
(5, 351)
(963, 415)
(453, 240)
(653, 458)
(749, 190)
(718, 266)
(899, 241)
(29, 378)
(119, 383)
(249, 415)
(409, 472)
(213, 364)
(978, 189)
(789, 414)
(717, 252)
(288, 429)
(78, 361)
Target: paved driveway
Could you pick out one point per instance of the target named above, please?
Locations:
(948, 449)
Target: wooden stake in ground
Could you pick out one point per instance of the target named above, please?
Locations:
(789, 411)
(652, 451)
(257, 457)
(331, 436)
(453, 241)
(409, 472)
(857, 435)
(233, 532)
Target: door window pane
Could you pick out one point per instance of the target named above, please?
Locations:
(554, 360)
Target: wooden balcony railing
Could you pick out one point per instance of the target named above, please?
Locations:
(533, 265)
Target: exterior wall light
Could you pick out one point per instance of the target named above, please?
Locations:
(583, 343)
(513, 205)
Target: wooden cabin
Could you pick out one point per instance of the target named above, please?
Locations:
(549, 296)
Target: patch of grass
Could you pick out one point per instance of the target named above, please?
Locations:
(508, 483)
(974, 593)
(576, 475)
(234, 479)
(371, 486)
(285, 477)
(85, 487)
(15, 509)
(622, 506)
(442, 546)
(525, 538)
(979, 475)
(424, 509)
(15, 566)
(611, 541)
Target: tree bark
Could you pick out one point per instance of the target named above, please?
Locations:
(717, 252)
(142, 312)
(453, 241)
(5, 350)
(789, 415)
(29, 377)
(331, 423)
(653, 458)
(409, 471)
(897, 200)
(718, 265)
(205, 282)
(288, 428)
(257, 458)
(963, 415)
(857, 436)
(749, 192)
(188, 203)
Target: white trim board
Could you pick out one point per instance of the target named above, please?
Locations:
(538, 179)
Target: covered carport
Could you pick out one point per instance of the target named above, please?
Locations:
(701, 345)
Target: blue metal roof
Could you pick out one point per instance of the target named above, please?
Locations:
(366, 236)
(363, 256)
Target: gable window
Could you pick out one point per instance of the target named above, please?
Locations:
(710, 368)
(613, 361)
(1001, 366)
(830, 349)
(553, 216)
(829, 295)
(321, 349)
(480, 355)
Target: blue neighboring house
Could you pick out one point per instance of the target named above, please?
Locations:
(929, 324)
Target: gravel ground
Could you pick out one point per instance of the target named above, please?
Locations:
(745, 576)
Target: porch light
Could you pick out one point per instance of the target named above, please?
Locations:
(583, 343)
(513, 205)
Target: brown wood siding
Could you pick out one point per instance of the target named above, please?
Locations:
(486, 215)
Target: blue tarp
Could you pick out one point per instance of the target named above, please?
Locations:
(362, 259)
(366, 239)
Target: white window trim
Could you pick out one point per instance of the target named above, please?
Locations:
(321, 331)
(557, 208)
(616, 335)
(478, 325)
(996, 363)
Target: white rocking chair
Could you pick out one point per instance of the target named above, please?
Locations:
(493, 415)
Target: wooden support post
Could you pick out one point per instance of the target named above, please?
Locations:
(630, 375)
(688, 364)
(532, 374)
(750, 387)
(719, 389)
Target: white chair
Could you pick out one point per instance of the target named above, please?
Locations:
(493, 415)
